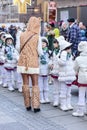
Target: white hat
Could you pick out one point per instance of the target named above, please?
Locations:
(1, 33)
(44, 39)
(8, 36)
(64, 44)
(82, 47)
(60, 38)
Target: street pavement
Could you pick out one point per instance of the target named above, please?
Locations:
(13, 115)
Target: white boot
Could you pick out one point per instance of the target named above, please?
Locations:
(63, 105)
(19, 86)
(46, 97)
(69, 106)
(10, 87)
(56, 100)
(79, 112)
(42, 97)
(81, 103)
(20, 89)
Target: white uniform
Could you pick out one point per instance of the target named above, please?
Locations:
(2, 70)
(10, 65)
(66, 76)
(54, 73)
(43, 77)
(81, 71)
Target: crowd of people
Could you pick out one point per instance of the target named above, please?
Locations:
(58, 56)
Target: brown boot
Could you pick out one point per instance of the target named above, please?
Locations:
(36, 98)
(27, 98)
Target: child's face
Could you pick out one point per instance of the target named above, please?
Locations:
(55, 45)
(43, 45)
(9, 41)
(46, 29)
(69, 50)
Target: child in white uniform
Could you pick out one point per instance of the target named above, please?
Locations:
(81, 72)
(10, 65)
(43, 76)
(66, 75)
(2, 60)
(53, 65)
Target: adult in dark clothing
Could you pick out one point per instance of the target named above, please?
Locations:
(74, 36)
(64, 30)
(13, 31)
(3, 28)
(50, 36)
(83, 31)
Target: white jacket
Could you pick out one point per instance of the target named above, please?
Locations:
(66, 70)
(54, 61)
(12, 63)
(44, 67)
(2, 54)
(80, 66)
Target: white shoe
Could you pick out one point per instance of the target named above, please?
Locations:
(10, 88)
(47, 100)
(4, 85)
(20, 90)
(63, 105)
(42, 101)
(78, 114)
(69, 107)
(55, 103)
(64, 108)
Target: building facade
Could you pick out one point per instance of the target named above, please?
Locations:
(9, 11)
(72, 8)
(46, 9)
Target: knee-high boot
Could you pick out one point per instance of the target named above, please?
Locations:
(36, 98)
(27, 98)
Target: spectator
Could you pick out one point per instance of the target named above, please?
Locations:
(64, 30)
(74, 36)
(13, 31)
(82, 31)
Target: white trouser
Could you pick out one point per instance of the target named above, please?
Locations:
(86, 94)
(81, 109)
(56, 89)
(43, 83)
(3, 74)
(65, 91)
(43, 86)
(65, 96)
(18, 83)
(81, 100)
(10, 78)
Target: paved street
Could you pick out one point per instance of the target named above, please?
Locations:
(13, 115)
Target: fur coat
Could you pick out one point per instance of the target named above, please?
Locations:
(28, 61)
